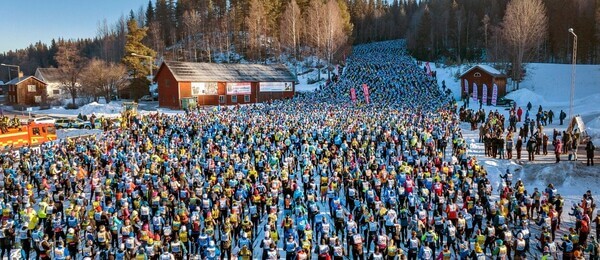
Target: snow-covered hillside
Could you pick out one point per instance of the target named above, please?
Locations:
(549, 85)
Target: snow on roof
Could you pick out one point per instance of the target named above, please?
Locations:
(16, 81)
(49, 75)
(489, 69)
(193, 71)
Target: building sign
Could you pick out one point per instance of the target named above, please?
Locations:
(275, 86)
(241, 88)
(204, 88)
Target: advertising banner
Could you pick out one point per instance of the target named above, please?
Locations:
(204, 88)
(466, 84)
(239, 88)
(366, 92)
(275, 86)
(428, 68)
(475, 91)
(494, 94)
(353, 94)
(484, 94)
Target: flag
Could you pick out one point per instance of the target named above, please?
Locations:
(353, 94)
(466, 83)
(484, 94)
(494, 94)
(474, 91)
(428, 68)
(366, 93)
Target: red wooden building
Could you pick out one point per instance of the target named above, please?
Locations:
(181, 84)
(480, 75)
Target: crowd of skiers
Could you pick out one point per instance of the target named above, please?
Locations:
(315, 177)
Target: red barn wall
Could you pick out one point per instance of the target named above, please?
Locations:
(168, 93)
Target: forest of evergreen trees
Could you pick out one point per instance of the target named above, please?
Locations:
(450, 31)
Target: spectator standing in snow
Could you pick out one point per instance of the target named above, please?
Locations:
(576, 141)
(531, 145)
(566, 141)
(518, 147)
(557, 149)
(545, 144)
(509, 145)
(589, 150)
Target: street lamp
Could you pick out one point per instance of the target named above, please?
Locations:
(149, 62)
(573, 73)
(14, 66)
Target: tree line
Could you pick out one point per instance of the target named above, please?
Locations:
(450, 31)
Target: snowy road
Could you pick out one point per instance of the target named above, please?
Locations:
(65, 133)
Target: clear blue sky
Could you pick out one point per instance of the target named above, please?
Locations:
(23, 22)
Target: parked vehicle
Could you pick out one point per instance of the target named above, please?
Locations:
(63, 123)
(80, 123)
(43, 120)
(505, 102)
(149, 98)
(72, 123)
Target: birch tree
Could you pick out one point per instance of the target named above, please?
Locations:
(315, 31)
(192, 22)
(334, 30)
(524, 29)
(256, 28)
(291, 27)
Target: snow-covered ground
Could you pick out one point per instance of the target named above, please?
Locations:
(98, 109)
(548, 85)
(303, 79)
(66, 133)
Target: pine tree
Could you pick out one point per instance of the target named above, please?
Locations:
(424, 35)
(149, 14)
(162, 17)
(138, 67)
